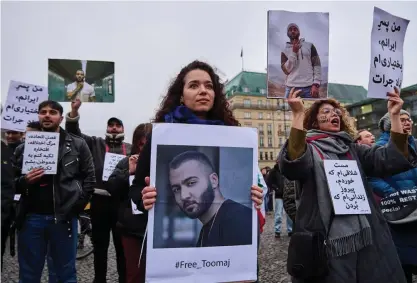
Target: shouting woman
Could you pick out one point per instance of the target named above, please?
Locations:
(330, 248)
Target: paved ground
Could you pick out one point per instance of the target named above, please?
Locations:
(272, 262)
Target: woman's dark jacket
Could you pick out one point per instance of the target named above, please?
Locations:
(118, 186)
(143, 170)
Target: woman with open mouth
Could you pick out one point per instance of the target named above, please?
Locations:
(326, 247)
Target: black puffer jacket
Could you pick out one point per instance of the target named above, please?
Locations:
(73, 184)
(275, 181)
(118, 186)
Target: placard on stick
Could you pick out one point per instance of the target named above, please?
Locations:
(387, 60)
(41, 151)
(346, 187)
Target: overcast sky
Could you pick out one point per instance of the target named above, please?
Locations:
(150, 42)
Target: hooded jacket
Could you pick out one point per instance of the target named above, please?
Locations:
(303, 67)
(98, 147)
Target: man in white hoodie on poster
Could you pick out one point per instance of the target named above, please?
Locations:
(301, 63)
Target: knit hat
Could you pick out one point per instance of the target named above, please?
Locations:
(292, 25)
(385, 122)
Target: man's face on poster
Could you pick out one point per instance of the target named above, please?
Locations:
(293, 32)
(79, 76)
(192, 187)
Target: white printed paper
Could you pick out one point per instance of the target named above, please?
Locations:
(346, 187)
(41, 151)
(110, 162)
(182, 246)
(387, 61)
(135, 209)
(21, 106)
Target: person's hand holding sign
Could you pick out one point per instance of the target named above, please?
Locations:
(148, 195)
(257, 196)
(297, 107)
(34, 175)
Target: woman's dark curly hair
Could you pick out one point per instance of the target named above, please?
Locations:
(140, 132)
(220, 110)
(310, 118)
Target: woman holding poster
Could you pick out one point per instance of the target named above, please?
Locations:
(327, 246)
(195, 97)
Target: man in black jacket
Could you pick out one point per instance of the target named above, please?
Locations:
(7, 195)
(49, 204)
(104, 208)
(276, 181)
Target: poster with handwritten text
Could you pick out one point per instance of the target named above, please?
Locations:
(21, 105)
(41, 151)
(387, 60)
(110, 162)
(346, 187)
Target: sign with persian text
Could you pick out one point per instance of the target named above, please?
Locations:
(21, 106)
(41, 151)
(387, 60)
(346, 187)
(110, 162)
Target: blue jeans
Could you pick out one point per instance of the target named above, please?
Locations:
(305, 91)
(40, 233)
(279, 208)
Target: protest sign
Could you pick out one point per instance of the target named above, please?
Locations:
(21, 106)
(87, 80)
(203, 226)
(346, 187)
(387, 60)
(110, 162)
(41, 151)
(298, 54)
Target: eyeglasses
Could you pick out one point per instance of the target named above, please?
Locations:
(327, 111)
(403, 120)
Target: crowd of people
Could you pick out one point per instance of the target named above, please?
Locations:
(324, 247)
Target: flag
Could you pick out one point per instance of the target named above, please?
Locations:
(261, 211)
(241, 52)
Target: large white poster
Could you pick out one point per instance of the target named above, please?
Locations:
(21, 106)
(387, 60)
(203, 227)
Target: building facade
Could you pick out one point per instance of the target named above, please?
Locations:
(246, 94)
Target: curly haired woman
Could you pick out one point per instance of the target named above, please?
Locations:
(351, 248)
(194, 97)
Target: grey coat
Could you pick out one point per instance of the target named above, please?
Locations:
(376, 263)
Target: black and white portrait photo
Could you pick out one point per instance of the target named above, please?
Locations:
(203, 197)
